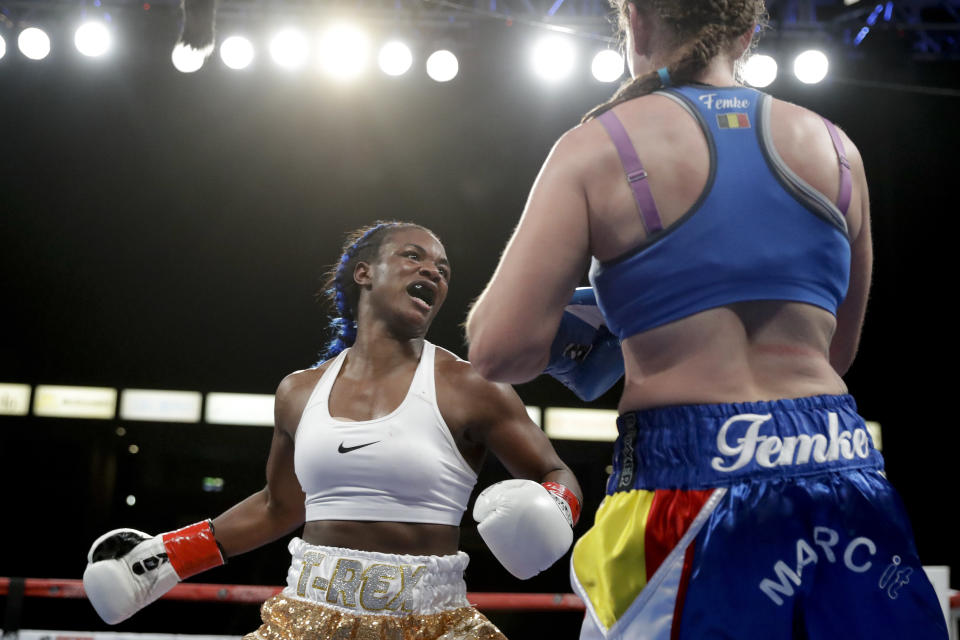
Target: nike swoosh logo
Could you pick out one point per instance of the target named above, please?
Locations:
(343, 449)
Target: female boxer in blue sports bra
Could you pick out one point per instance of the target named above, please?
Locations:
(727, 237)
(375, 453)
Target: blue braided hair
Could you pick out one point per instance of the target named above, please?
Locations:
(339, 289)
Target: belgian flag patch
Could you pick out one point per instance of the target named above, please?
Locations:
(733, 121)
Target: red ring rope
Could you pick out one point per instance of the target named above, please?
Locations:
(199, 592)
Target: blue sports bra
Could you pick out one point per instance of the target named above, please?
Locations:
(757, 231)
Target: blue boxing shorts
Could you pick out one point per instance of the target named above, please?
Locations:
(751, 520)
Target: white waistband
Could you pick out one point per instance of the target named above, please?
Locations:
(371, 582)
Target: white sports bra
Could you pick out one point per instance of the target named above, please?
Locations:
(402, 467)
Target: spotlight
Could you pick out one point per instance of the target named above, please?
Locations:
(607, 66)
(395, 58)
(92, 39)
(3, 46)
(289, 49)
(187, 59)
(553, 58)
(442, 65)
(344, 51)
(759, 70)
(811, 66)
(34, 43)
(236, 52)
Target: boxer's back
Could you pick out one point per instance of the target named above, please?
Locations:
(744, 350)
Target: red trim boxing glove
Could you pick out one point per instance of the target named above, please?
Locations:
(192, 549)
(128, 569)
(526, 525)
(567, 501)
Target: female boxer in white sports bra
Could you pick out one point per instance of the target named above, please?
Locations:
(375, 453)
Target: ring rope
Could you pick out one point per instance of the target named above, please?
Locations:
(203, 592)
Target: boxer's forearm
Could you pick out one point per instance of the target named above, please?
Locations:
(256, 521)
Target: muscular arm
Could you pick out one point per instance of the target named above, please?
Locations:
(497, 419)
(277, 509)
(122, 576)
(524, 448)
(512, 324)
(850, 315)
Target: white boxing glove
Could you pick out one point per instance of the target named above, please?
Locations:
(128, 569)
(528, 526)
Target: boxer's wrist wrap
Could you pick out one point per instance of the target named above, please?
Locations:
(192, 549)
(566, 500)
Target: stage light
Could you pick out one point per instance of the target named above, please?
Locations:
(442, 66)
(92, 39)
(395, 58)
(607, 66)
(561, 423)
(344, 51)
(236, 52)
(289, 49)
(58, 401)
(239, 408)
(131, 500)
(759, 70)
(14, 398)
(34, 43)
(535, 414)
(811, 66)
(3, 46)
(553, 58)
(187, 59)
(158, 405)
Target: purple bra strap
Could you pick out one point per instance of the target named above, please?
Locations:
(846, 184)
(636, 176)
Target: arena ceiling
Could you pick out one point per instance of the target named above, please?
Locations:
(922, 29)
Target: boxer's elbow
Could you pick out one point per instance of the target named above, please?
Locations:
(509, 357)
(495, 369)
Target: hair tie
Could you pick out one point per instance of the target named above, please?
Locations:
(664, 76)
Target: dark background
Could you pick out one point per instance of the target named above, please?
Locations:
(168, 231)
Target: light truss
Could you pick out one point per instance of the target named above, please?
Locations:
(931, 27)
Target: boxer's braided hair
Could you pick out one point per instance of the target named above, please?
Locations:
(700, 29)
(339, 288)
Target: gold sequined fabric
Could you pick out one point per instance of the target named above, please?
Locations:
(288, 619)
